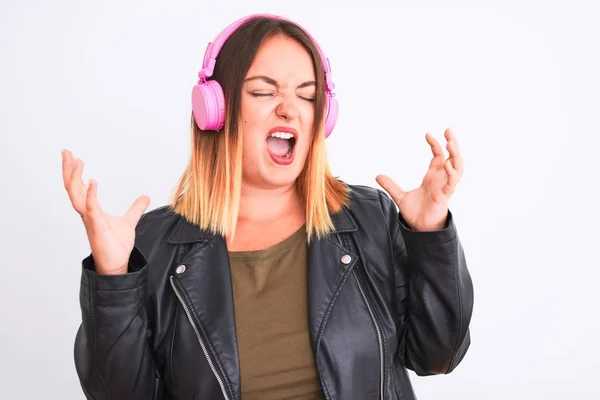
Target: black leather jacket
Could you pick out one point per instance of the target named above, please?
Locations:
(403, 299)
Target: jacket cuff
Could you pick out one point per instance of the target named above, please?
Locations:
(432, 238)
(134, 278)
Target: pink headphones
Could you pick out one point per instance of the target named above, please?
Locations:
(208, 100)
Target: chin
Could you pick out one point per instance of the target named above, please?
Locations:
(277, 177)
(273, 175)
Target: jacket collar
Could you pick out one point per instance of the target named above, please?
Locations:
(186, 232)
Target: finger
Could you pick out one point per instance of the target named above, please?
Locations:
(137, 209)
(69, 163)
(436, 148)
(452, 179)
(76, 188)
(66, 170)
(450, 137)
(395, 191)
(92, 206)
(455, 157)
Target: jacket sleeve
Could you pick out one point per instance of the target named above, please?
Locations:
(434, 295)
(113, 358)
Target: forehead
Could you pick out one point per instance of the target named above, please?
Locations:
(283, 59)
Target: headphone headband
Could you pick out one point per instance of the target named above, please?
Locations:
(214, 47)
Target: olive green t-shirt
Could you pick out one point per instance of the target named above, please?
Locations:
(270, 289)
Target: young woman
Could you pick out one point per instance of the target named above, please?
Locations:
(267, 278)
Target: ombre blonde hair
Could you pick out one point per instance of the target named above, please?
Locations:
(208, 192)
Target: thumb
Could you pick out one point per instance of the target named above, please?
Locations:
(137, 209)
(388, 184)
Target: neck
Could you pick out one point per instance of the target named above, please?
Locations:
(263, 206)
(266, 216)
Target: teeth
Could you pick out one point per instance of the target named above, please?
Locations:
(282, 135)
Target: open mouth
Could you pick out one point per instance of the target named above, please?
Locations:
(281, 146)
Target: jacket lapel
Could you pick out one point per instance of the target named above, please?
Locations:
(328, 269)
(207, 290)
(330, 263)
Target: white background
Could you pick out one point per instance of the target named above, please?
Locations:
(518, 82)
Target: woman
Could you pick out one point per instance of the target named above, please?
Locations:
(267, 278)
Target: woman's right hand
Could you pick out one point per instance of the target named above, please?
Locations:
(111, 238)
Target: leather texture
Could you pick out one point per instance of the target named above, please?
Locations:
(166, 329)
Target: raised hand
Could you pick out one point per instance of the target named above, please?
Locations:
(426, 207)
(111, 238)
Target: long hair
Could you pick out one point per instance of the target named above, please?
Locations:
(208, 192)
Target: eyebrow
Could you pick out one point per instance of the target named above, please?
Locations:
(273, 82)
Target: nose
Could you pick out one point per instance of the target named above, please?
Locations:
(287, 109)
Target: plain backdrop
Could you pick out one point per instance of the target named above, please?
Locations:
(519, 82)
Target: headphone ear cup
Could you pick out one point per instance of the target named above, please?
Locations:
(208, 105)
(332, 115)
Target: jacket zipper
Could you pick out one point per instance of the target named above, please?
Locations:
(189, 316)
(379, 336)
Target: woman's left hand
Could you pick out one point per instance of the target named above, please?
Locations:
(426, 207)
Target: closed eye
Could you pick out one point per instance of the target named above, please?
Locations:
(261, 94)
(254, 94)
